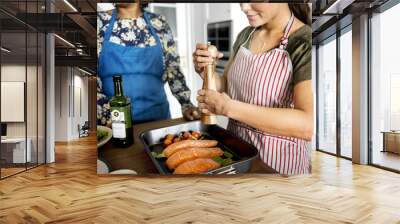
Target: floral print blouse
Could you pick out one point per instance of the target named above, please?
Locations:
(134, 32)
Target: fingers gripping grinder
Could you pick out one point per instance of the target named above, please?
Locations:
(210, 82)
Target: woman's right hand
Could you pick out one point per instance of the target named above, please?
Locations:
(201, 57)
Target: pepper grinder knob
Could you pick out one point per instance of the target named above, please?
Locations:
(210, 82)
(212, 50)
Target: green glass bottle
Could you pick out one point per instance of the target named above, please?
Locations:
(120, 107)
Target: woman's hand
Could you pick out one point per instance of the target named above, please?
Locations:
(214, 102)
(201, 57)
(191, 113)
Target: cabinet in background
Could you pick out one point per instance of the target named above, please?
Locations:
(391, 141)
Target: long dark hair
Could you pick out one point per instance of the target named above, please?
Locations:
(301, 11)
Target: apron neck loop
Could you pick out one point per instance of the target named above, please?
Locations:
(114, 18)
(111, 25)
(284, 39)
(151, 28)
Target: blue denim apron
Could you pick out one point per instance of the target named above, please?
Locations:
(141, 70)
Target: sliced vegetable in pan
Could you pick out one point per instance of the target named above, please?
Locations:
(228, 154)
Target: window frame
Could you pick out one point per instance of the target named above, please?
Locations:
(379, 10)
(334, 37)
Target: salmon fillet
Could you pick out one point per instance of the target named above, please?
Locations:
(197, 166)
(184, 155)
(171, 149)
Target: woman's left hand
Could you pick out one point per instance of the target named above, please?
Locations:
(211, 101)
(191, 113)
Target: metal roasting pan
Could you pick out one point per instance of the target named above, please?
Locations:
(243, 152)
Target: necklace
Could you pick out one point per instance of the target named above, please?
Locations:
(262, 41)
(262, 47)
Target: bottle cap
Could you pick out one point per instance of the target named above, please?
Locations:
(117, 78)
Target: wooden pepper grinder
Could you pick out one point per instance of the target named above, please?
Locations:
(210, 82)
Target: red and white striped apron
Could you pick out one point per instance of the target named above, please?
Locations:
(265, 79)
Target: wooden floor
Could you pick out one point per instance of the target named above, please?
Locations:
(387, 159)
(69, 191)
(10, 171)
(5, 172)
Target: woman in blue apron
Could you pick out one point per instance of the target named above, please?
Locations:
(139, 46)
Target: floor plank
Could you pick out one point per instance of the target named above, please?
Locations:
(70, 191)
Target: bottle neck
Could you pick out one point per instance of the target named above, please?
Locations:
(118, 88)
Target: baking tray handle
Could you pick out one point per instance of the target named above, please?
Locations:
(229, 170)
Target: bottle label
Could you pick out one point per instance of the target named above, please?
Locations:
(118, 130)
(121, 120)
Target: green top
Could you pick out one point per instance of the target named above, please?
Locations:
(299, 48)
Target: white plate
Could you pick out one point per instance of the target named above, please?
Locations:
(105, 139)
(124, 171)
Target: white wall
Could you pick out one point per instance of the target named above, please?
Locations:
(70, 83)
(79, 117)
(33, 127)
(12, 73)
(61, 103)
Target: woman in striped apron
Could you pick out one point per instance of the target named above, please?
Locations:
(266, 88)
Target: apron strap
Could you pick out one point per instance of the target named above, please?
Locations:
(284, 39)
(110, 25)
(152, 31)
